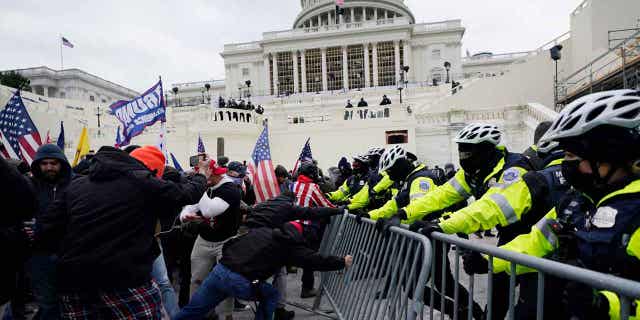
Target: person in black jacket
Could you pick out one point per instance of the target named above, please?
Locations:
(104, 224)
(51, 176)
(19, 205)
(248, 260)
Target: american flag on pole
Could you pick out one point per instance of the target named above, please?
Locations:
(340, 2)
(264, 177)
(200, 145)
(18, 133)
(305, 155)
(66, 43)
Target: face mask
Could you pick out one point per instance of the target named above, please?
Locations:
(237, 181)
(586, 183)
(471, 163)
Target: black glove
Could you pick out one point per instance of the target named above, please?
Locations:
(416, 226)
(383, 225)
(474, 263)
(361, 214)
(430, 227)
(582, 302)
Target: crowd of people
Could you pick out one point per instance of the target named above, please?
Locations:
(241, 105)
(105, 240)
(363, 103)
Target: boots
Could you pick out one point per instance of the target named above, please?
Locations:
(283, 314)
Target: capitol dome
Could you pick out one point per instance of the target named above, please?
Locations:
(322, 12)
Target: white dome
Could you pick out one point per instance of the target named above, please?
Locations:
(312, 9)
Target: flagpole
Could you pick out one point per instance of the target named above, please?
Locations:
(61, 59)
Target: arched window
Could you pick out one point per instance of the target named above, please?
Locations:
(437, 74)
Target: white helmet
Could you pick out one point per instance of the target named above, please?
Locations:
(620, 108)
(375, 151)
(546, 146)
(476, 133)
(390, 156)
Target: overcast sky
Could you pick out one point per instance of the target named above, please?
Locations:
(132, 42)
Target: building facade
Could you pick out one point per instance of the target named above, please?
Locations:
(369, 45)
(74, 84)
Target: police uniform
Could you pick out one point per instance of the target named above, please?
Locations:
(373, 197)
(602, 236)
(350, 187)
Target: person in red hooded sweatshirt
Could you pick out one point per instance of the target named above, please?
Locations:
(105, 223)
(308, 194)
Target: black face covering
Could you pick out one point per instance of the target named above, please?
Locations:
(478, 160)
(591, 184)
(400, 170)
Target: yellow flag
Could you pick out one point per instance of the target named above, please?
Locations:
(83, 146)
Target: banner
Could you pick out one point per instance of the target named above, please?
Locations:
(139, 113)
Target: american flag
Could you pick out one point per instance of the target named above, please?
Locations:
(66, 43)
(264, 177)
(305, 155)
(18, 133)
(200, 145)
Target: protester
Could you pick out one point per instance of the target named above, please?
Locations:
(283, 177)
(362, 103)
(104, 223)
(385, 100)
(220, 206)
(248, 260)
(345, 171)
(349, 105)
(19, 204)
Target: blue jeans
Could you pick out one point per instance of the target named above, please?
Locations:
(43, 277)
(222, 283)
(159, 275)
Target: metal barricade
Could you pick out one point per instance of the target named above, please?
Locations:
(627, 290)
(387, 273)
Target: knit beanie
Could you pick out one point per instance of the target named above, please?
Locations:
(152, 158)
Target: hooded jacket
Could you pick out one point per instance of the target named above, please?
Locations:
(105, 222)
(47, 191)
(259, 254)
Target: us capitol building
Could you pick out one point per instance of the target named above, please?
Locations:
(304, 76)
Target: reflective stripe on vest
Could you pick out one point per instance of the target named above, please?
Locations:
(505, 207)
(459, 188)
(544, 226)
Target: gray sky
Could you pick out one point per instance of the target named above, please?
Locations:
(132, 42)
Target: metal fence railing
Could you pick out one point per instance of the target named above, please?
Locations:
(626, 289)
(388, 271)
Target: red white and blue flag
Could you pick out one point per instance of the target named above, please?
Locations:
(18, 133)
(305, 155)
(200, 145)
(264, 177)
(66, 43)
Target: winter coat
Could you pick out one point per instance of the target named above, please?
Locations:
(18, 204)
(105, 222)
(259, 254)
(281, 209)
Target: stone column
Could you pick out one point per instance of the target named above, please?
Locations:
(408, 60)
(386, 14)
(345, 68)
(375, 14)
(332, 18)
(396, 46)
(303, 67)
(324, 68)
(367, 77)
(353, 14)
(275, 74)
(296, 85)
(319, 20)
(375, 64)
(267, 73)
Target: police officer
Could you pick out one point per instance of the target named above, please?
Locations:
(485, 166)
(354, 183)
(515, 209)
(599, 218)
(376, 191)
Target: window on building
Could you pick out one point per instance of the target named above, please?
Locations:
(401, 54)
(299, 62)
(220, 147)
(370, 52)
(355, 59)
(92, 98)
(285, 73)
(334, 68)
(272, 86)
(386, 64)
(313, 65)
(397, 137)
(245, 72)
(104, 101)
(436, 54)
(437, 75)
(63, 94)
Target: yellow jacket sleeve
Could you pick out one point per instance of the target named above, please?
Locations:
(614, 306)
(341, 194)
(503, 204)
(386, 211)
(384, 184)
(360, 200)
(419, 189)
(538, 243)
(444, 196)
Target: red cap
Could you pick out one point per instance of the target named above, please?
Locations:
(215, 169)
(297, 225)
(152, 158)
